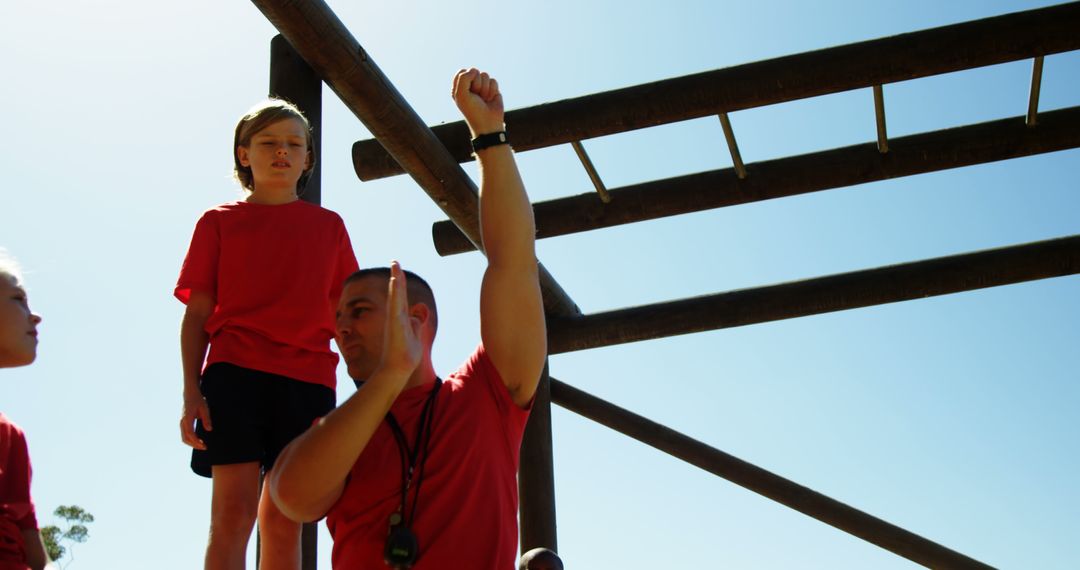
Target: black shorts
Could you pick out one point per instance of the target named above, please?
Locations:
(255, 415)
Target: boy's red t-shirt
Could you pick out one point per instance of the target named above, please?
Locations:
(276, 272)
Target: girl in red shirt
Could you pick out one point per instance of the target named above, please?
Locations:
(20, 541)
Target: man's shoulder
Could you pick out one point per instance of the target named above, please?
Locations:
(477, 365)
(479, 377)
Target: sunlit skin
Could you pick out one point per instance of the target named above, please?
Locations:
(277, 156)
(18, 325)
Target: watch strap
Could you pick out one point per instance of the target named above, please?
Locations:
(489, 140)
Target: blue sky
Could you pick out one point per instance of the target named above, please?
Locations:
(953, 417)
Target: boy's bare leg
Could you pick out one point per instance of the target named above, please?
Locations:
(232, 514)
(279, 536)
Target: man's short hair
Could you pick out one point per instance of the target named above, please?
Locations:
(417, 289)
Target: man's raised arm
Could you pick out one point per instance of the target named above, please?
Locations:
(511, 308)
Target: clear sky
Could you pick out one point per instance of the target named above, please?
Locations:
(954, 417)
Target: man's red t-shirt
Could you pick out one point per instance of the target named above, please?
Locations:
(276, 273)
(16, 507)
(467, 514)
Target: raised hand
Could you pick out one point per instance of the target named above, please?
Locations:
(402, 344)
(478, 98)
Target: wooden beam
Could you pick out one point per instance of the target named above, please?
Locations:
(836, 168)
(323, 41)
(889, 284)
(765, 483)
(1000, 39)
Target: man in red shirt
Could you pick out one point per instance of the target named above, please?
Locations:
(412, 469)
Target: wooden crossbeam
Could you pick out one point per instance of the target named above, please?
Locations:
(790, 176)
(1000, 39)
(889, 284)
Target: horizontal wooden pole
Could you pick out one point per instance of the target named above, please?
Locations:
(836, 168)
(323, 41)
(763, 482)
(903, 282)
(999, 39)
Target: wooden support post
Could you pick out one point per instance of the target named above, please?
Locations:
(790, 176)
(903, 282)
(765, 483)
(536, 475)
(292, 79)
(967, 45)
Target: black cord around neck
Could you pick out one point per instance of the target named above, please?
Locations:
(409, 455)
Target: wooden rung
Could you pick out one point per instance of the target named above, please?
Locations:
(733, 147)
(605, 197)
(879, 114)
(1036, 82)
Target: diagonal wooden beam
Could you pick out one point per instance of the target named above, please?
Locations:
(1000, 39)
(858, 164)
(763, 482)
(323, 41)
(903, 282)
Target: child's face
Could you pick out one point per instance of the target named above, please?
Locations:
(278, 155)
(18, 325)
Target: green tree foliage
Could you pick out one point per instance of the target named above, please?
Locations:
(76, 532)
(51, 536)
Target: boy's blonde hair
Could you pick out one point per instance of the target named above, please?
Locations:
(9, 267)
(259, 117)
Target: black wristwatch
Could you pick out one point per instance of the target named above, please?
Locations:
(489, 140)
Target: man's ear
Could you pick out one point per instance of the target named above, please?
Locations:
(242, 156)
(421, 312)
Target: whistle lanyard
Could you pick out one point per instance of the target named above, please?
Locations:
(409, 456)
